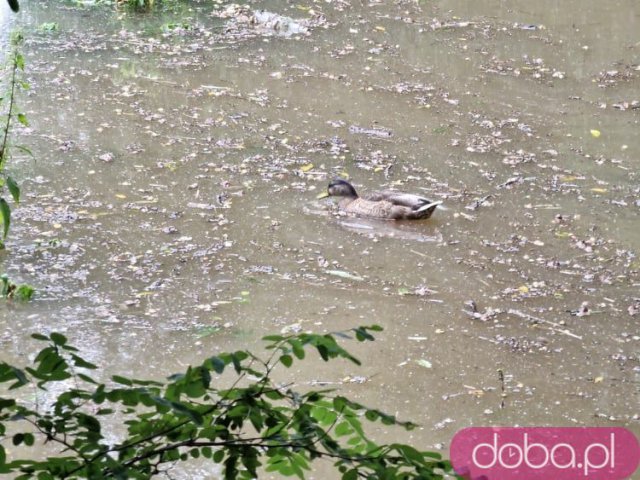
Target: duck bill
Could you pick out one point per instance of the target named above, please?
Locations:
(324, 194)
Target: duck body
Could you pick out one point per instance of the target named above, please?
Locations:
(387, 204)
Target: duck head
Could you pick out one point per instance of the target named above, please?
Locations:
(339, 188)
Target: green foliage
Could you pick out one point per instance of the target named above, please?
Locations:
(136, 5)
(249, 426)
(10, 290)
(176, 26)
(15, 65)
(48, 27)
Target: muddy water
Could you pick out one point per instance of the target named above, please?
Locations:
(171, 210)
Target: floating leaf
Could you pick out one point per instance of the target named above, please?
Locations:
(343, 274)
(307, 167)
(599, 190)
(424, 363)
(208, 331)
(22, 118)
(147, 293)
(48, 27)
(523, 289)
(121, 196)
(595, 133)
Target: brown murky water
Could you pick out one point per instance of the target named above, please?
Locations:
(171, 210)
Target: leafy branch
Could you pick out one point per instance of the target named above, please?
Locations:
(16, 64)
(253, 425)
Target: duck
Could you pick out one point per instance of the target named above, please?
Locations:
(387, 204)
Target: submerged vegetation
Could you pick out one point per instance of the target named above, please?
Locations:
(10, 290)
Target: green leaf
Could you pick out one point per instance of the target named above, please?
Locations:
(19, 61)
(362, 335)
(217, 364)
(435, 455)
(273, 338)
(13, 189)
(24, 149)
(18, 438)
(22, 118)
(81, 362)
(235, 360)
(323, 351)
(371, 415)
(350, 474)
(58, 338)
(274, 395)
(122, 380)
(409, 453)
(5, 216)
(218, 456)
(343, 428)
(339, 404)
(286, 360)
(88, 422)
(24, 292)
(9, 374)
(189, 412)
(298, 349)
(6, 403)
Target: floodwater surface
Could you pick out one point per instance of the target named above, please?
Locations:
(171, 211)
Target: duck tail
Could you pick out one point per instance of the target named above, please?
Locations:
(429, 206)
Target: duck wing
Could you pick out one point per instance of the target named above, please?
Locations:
(385, 209)
(409, 200)
(369, 208)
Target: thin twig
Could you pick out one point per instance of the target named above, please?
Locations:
(556, 327)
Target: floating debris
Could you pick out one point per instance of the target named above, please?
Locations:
(371, 132)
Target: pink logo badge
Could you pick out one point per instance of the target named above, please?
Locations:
(539, 453)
